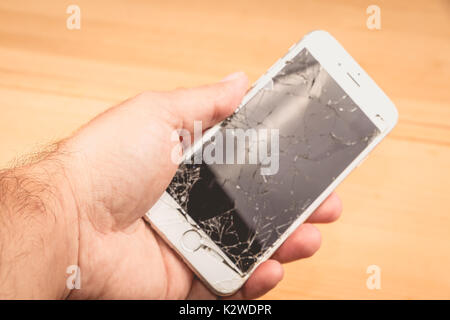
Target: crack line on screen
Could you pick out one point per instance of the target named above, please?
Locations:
(321, 130)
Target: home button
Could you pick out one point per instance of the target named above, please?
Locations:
(191, 240)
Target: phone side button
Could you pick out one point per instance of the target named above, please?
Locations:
(191, 240)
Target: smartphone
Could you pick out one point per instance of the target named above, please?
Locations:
(322, 115)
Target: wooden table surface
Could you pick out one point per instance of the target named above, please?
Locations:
(396, 206)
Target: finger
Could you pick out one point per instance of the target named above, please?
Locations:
(302, 243)
(262, 280)
(209, 104)
(328, 211)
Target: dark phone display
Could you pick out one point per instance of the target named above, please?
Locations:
(321, 131)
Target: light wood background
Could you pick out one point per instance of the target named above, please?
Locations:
(396, 206)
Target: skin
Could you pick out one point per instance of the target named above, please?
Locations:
(82, 204)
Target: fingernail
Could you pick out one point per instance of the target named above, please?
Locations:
(233, 76)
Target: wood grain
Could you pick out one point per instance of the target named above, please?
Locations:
(396, 206)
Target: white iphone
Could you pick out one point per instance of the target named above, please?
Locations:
(252, 179)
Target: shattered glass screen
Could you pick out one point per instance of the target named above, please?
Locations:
(321, 131)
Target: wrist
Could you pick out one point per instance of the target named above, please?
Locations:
(38, 230)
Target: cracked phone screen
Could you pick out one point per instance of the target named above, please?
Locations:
(321, 131)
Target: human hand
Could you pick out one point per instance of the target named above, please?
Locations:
(117, 166)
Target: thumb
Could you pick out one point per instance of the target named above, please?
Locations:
(209, 104)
